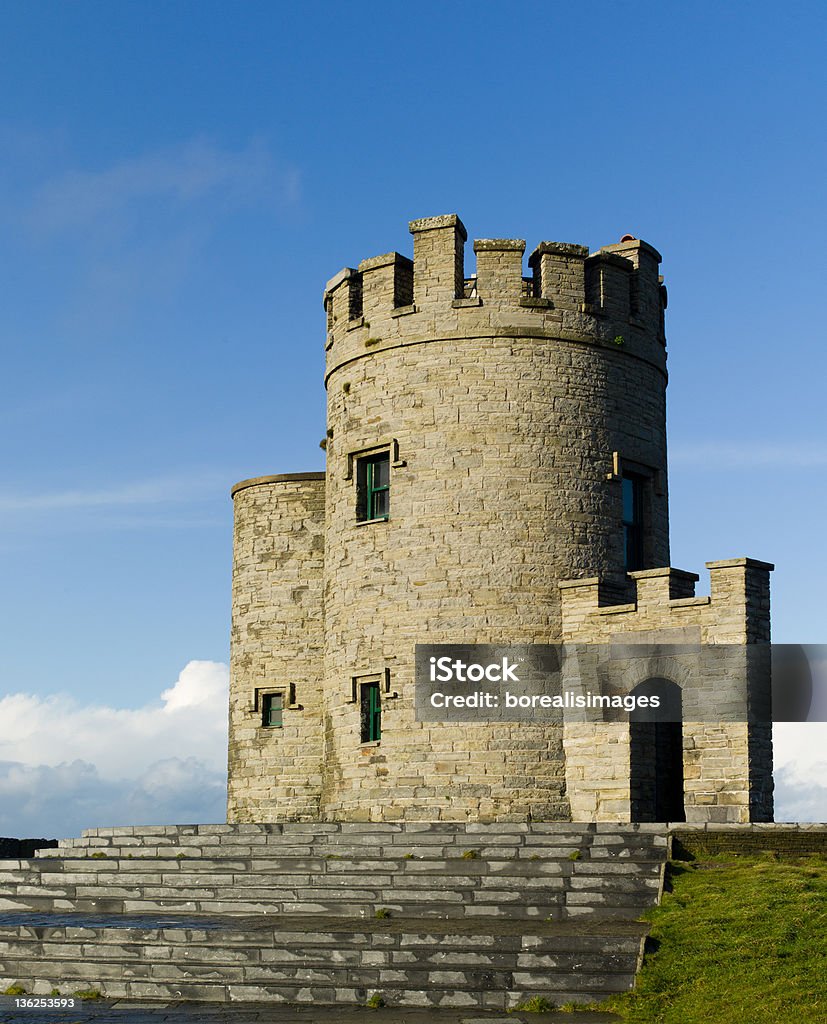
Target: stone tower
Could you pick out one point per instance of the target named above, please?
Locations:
(493, 442)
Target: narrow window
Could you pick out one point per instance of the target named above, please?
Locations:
(272, 706)
(371, 713)
(373, 480)
(633, 521)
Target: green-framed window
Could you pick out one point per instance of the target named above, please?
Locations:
(373, 487)
(633, 487)
(272, 709)
(371, 713)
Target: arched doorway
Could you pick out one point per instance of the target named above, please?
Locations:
(656, 754)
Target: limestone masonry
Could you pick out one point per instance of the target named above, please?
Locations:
(496, 473)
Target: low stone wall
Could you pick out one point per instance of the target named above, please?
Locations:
(689, 843)
(15, 849)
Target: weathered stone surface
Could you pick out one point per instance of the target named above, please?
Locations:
(509, 407)
(301, 930)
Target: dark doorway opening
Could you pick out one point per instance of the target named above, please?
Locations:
(656, 754)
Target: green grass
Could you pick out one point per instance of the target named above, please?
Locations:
(536, 1004)
(739, 940)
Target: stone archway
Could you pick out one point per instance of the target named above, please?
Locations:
(656, 754)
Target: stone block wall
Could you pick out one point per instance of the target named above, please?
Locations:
(728, 764)
(504, 414)
(277, 647)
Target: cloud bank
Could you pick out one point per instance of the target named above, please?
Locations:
(65, 766)
(800, 753)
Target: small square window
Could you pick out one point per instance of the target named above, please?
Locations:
(272, 707)
(373, 482)
(371, 713)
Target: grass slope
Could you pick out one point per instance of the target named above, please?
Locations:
(738, 940)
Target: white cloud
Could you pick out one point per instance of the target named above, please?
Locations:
(790, 454)
(66, 766)
(797, 802)
(184, 174)
(55, 801)
(800, 753)
(156, 491)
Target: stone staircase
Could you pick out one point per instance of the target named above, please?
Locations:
(481, 917)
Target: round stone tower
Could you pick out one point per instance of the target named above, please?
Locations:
(488, 437)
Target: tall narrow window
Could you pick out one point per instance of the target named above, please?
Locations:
(272, 706)
(633, 520)
(371, 713)
(373, 480)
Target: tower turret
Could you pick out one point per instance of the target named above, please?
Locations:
(518, 428)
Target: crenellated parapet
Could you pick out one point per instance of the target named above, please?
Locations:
(612, 297)
(737, 610)
(726, 764)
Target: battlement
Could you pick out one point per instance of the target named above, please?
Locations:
(737, 610)
(614, 295)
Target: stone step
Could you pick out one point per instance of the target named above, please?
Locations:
(265, 855)
(175, 1012)
(509, 858)
(529, 874)
(571, 905)
(421, 949)
(402, 975)
(406, 981)
(474, 875)
(361, 902)
(315, 957)
(531, 850)
(559, 839)
(323, 886)
(321, 829)
(401, 838)
(486, 963)
(476, 917)
(457, 990)
(362, 897)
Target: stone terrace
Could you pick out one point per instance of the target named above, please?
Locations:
(462, 917)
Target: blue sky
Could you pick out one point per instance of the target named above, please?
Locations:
(179, 180)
